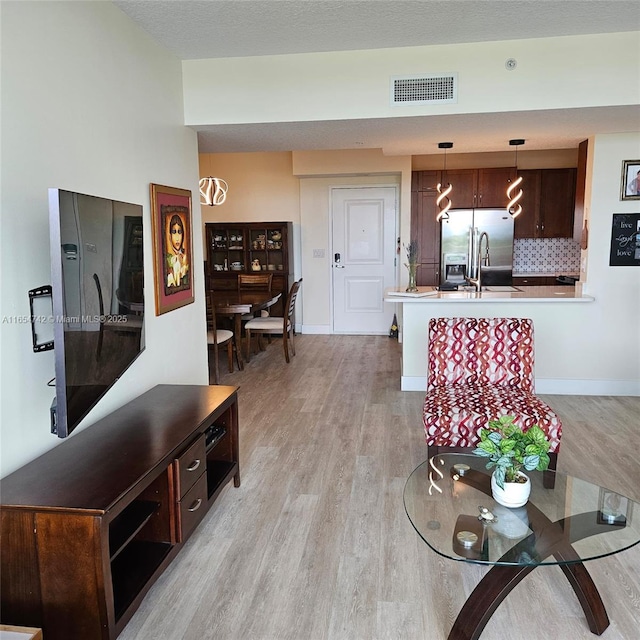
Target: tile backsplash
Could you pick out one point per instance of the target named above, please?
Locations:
(546, 255)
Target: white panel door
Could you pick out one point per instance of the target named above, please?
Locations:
(364, 231)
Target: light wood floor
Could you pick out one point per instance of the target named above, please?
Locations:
(315, 544)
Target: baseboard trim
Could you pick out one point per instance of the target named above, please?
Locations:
(587, 387)
(316, 329)
(550, 386)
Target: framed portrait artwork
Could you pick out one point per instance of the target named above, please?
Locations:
(630, 186)
(172, 251)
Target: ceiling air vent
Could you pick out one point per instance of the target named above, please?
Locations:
(424, 89)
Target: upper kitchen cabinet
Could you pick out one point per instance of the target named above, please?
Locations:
(492, 187)
(547, 204)
(480, 188)
(424, 228)
(425, 180)
(526, 225)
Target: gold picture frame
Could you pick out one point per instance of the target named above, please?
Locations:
(172, 247)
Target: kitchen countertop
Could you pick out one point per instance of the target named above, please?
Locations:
(544, 274)
(490, 294)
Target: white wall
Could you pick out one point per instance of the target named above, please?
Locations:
(89, 104)
(591, 70)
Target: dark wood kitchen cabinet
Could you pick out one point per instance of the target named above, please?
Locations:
(480, 188)
(424, 227)
(89, 526)
(548, 203)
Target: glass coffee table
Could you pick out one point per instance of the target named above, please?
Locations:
(448, 501)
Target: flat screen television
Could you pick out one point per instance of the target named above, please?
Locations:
(97, 272)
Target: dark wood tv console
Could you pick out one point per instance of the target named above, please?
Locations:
(89, 526)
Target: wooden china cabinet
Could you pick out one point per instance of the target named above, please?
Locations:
(250, 247)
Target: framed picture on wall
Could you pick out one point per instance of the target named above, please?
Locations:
(630, 186)
(172, 251)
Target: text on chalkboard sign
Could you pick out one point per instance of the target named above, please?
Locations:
(625, 240)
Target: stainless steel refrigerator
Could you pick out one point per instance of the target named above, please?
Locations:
(476, 236)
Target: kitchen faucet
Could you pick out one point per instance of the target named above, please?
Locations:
(479, 260)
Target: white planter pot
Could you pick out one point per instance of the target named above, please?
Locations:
(514, 494)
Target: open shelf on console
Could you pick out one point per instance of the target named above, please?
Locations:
(133, 568)
(128, 523)
(218, 472)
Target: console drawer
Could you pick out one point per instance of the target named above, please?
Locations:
(192, 507)
(190, 466)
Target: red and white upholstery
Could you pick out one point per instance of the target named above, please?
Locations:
(478, 370)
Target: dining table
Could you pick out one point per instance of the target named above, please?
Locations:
(239, 303)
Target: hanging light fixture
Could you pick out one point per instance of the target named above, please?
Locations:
(514, 192)
(443, 201)
(213, 191)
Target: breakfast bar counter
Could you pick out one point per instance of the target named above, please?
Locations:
(557, 313)
(490, 293)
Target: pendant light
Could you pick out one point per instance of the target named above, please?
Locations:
(443, 201)
(213, 191)
(514, 192)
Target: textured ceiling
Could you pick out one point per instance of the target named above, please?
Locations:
(228, 28)
(195, 29)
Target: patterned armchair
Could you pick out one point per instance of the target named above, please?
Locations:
(480, 369)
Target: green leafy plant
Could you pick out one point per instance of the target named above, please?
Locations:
(511, 449)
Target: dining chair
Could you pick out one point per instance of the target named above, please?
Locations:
(254, 282)
(277, 325)
(131, 323)
(217, 338)
(479, 369)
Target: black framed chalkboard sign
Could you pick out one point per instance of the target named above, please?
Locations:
(625, 240)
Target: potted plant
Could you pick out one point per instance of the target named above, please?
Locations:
(511, 449)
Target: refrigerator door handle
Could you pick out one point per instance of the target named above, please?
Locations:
(471, 263)
(469, 248)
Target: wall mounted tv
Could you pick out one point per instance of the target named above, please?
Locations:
(97, 272)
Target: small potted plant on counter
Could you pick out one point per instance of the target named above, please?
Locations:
(511, 449)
